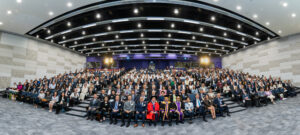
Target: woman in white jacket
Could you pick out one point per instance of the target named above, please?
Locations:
(84, 90)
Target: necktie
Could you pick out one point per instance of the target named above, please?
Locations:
(116, 106)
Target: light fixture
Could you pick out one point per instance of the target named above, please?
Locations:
(244, 46)
(75, 42)
(215, 40)
(69, 24)
(135, 11)
(225, 34)
(201, 29)
(19, 1)
(256, 33)
(48, 31)
(255, 42)
(209, 54)
(269, 38)
(9, 12)
(64, 45)
(73, 49)
(223, 48)
(103, 44)
(293, 15)
(166, 47)
(108, 28)
(126, 48)
(92, 50)
(122, 43)
(98, 54)
(180, 52)
(188, 43)
(231, 43)
(69, 4)
(37, 36)
(212, 18)
(51, 13)
(279, 31)
(52, 41)
(176, 11)
(98, 15)
(1, 23)
(183, 48)
(169, 35)
(243, 38)
(84, 47)
(215, 0)
(193, 37)
(200, 50)
(267, 23)
(165, 51)
(64, 37)
(113, 53)
(139, 25)
(143, 42)
(167, 42)
(206, 45)
(285, 4)
(129, 52)
(239, 26)
(255, 16)
(144, 47)
(234, 50)
(142, 35)
(238, 7)
(108, 49)
(117, 36)
(145, 51)
(94, 39)
(83, 33)
(172, 25)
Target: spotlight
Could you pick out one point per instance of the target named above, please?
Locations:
(122, 43)
(256, 33)
(64, 37)
(142, 35)
(239, 26)
(69, 24)
(172, 25)
(98, 16)
(69, 4)
(83, 33)
(225, 34)
(135, 11)
(139, 25)
(143, 42)
(169, 35)
(201, 29)
(167, 42)
(213, 18)
(103, 44)
(176, 11)
(204, 60)
(94, 39)
(117, 36)
(108, 28)
(193, 37)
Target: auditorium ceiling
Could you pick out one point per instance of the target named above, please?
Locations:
(110, 27)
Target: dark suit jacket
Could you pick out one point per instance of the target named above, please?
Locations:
(94, 105)
(120, 105)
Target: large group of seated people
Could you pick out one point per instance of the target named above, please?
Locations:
(165, 95)
(63, 90)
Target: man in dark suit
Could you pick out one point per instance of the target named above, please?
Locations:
(221, 105)
(94, 104)
(140, 111)
(116, 108)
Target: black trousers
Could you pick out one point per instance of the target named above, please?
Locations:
(189, 114)
(129, 116)
(224, 109)
(114, 115)
(91, 113)
(201, 111)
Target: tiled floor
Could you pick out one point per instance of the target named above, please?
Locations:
(280, 119)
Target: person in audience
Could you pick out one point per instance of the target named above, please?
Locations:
(74, 97)
(39, 99)
(269, 95)
(116, 109)
(262, 96)
(84, 91)
(104, 109)
(189, 110)
(166, 111)
(218, 101)
(153, 111)
(128, 111)
(93, 106)
(199, 107)
(140, 111)
(209, 105)
(62, 103)
(53, 101)
(179, 110)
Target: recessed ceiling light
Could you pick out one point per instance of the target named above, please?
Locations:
(139, 25)
(84, 47)
(234, 49)
(113, 53)
(166, 47)
(293, 15)
(144, 47)
(285, 4)
(19, 1)
(231, 43)
(167, 42)
(195, 53)
(69, 24)
(172, 25)
(94, 39)
(225, 34)
(183, 48)
(48, 31)
(142, 35)
(64, 45)
(122, 43)
(255, 16)
(98, 16)
(223, 48)
(244, 46)
(180, 52)
(267, 23)
(239, 26)
(215, 0)
(255, 42)
(83, 33)
(98, 54)
(243, 38)
(143, 42)
(214, 40)
(279, 31)
(176, 11)
(136, 11)
(256, 33)
(51, 13)
(200, 50)
(108, 49)
(9, 12)
(64, 37)
(75, 42)
(108, 28)
(269, 38)
(201, 29)
(103, 44)
(188, 43)
(238, 7)
(209, 54)
(37, 36)
(206, 45)
(165, 51)
(69, 4)
(1, 23)
(117, 36)
(215, 51)
(129, 52)
(193, 37)
(169, 35)
(213, 18)
(145, 51)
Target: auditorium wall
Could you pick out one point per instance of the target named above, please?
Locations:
(280, 58)
(23, 58)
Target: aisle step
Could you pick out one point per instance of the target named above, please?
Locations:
(76, 108)
(76, 113)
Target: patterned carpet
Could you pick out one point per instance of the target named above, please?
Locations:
(280, 119)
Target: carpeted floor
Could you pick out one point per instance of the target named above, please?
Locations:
(280, 119)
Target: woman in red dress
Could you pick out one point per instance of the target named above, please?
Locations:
(153, 111)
